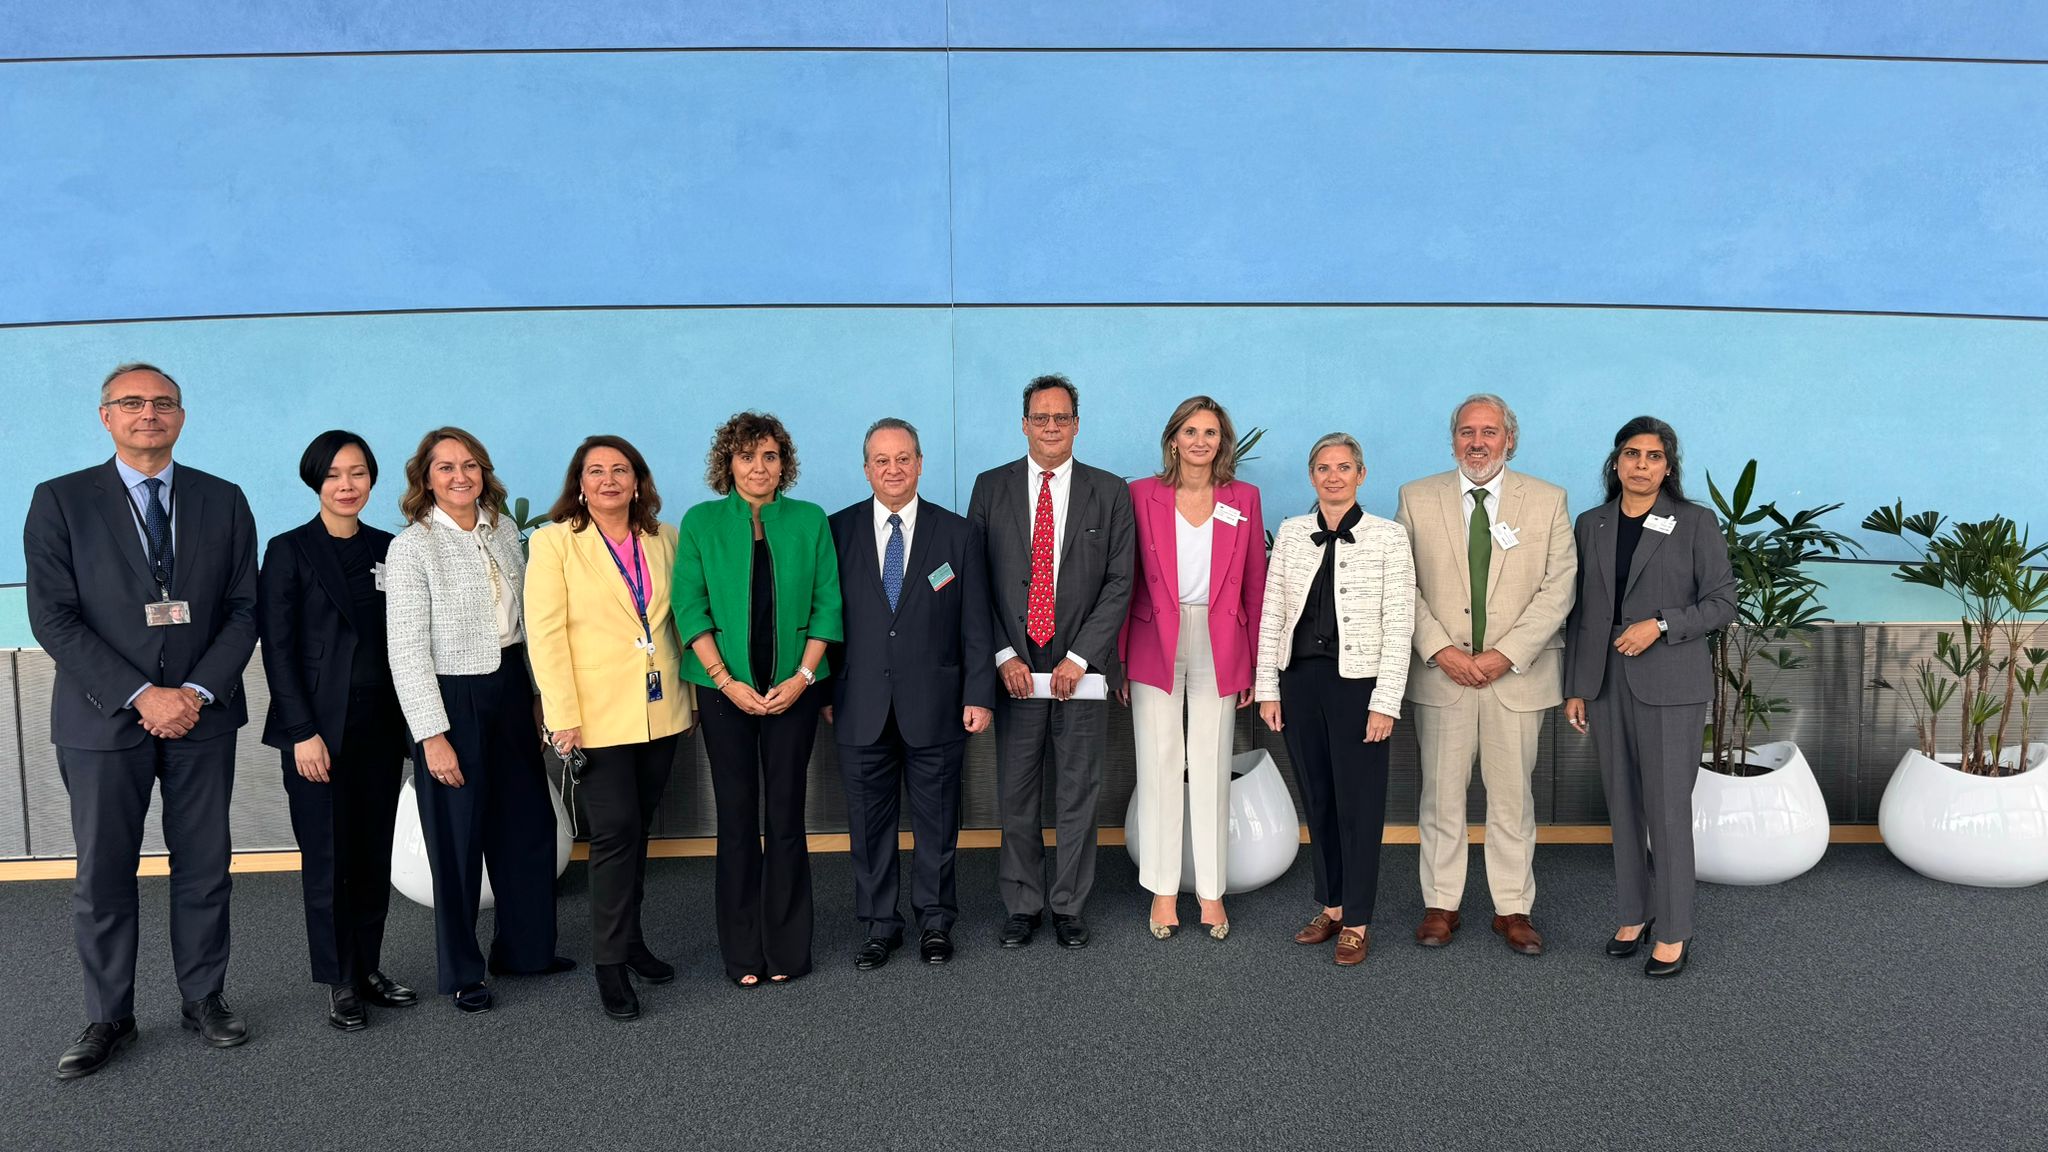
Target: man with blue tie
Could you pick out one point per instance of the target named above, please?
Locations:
(142, 589)
(917, 678)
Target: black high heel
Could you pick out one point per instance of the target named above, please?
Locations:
(1657, 969)
(1623, 949)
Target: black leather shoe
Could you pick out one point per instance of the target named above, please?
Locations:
(1657, 969)
(1623, 949)
(555, 967)
(1018, 928)
(874, 951)
(935, 945)
(647, 966)
(94, 1047)
(384, 992)
(1072, 933)
(214, 1020)
(615, 989)
(344, 1010)
(474, 998)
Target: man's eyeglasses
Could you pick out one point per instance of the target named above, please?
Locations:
(164, 405)
(1056, 419)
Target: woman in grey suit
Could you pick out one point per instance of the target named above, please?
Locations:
(1654, 581)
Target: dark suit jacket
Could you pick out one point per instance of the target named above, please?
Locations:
(1096, 557)
(309, 629)
(88, 580)
(929, 658)
(1684, 575)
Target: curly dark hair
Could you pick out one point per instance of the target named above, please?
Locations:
(645, 512)
(744, 430)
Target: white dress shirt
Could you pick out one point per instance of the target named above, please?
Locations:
(1062, 483)
(1492, 487)
(1192, 545)
(882, 514)
(505, 593)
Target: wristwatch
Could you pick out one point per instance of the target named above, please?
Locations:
(809, 676)
(1663, 625)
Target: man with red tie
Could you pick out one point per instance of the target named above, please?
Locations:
(1060, 538)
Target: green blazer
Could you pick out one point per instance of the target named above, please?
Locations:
(712, 586)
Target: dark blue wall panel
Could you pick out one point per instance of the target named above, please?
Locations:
(1994, 28)
(47, 28)
(172, 188)
(1100, 177)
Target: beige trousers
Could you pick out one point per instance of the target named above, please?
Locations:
(1165, 749)
(1478, 726)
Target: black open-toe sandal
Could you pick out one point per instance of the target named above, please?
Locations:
(741, 981)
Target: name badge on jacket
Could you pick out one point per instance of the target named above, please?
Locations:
(941, 576)
(1505, 537)
(1662, 525)
(377, 574)
(164, 613)
(1229, 515)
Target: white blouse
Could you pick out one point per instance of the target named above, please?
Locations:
(506, 593)
(1192, 544)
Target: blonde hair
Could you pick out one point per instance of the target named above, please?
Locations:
(1224, 469)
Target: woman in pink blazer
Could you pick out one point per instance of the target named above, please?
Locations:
(1190, 640)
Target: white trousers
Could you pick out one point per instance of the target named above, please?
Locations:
(1201, 748)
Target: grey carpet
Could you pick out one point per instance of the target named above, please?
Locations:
(1858, 1007)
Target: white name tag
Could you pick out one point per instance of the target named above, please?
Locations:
(377, 572)
(1505, 537)
(1661, 525)
(1228, 515)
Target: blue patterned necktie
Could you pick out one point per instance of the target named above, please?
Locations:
(157, 520)
(892, 562)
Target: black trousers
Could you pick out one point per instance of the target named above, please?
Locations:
(1343, 781)
(344, 832)
(109, 798)
(621, 788)
(876, 775)
(500, 817)
(758, 769)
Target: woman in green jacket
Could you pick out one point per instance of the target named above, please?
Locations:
(756, 594)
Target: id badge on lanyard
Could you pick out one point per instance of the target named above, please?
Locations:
(640, 591)
(162, 612)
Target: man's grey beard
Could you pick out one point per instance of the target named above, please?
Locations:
(1498, 465)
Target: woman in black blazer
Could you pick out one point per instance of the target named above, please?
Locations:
(335, 718)
(1654, 581)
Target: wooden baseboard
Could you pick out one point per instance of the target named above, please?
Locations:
(702, 846)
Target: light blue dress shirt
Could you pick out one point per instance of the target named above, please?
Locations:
(139, 495)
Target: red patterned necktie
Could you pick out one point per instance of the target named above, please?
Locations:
(1038, 617)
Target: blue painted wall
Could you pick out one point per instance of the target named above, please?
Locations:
(929, 191)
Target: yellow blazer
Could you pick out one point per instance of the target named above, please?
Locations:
(582, 636)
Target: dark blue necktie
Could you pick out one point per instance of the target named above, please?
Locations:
(892, 562)
(158, 522)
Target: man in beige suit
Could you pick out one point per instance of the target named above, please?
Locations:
(1495, 574)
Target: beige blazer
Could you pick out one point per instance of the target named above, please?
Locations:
(581, 636)
(1529, 587)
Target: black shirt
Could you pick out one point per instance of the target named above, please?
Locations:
(761, 618)
(1628, 533)
(371, 665)
(1315, 634)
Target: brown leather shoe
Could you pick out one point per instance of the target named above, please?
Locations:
(1353, 943)
(1319, 929)
(1520, 934)
(1436, 927)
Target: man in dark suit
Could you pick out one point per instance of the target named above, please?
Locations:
(919, 677)
(1059, 537)
(142, 588)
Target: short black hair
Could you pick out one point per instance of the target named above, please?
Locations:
(320, 454)
(1054, 380)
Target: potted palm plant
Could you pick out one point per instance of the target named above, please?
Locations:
(1757, 812)
(1977, 815)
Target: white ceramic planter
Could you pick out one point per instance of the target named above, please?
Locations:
(1265, 833)
(413, 874)
(1991, 832)
(1763, 829)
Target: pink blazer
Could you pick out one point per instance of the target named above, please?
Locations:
(1237, 588)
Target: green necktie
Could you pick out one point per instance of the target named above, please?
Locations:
(1479, 554)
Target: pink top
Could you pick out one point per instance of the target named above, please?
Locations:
(630, 559)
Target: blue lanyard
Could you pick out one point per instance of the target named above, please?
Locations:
(633, 583)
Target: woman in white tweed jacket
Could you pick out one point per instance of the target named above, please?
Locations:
(1333, 663)
(458, 659)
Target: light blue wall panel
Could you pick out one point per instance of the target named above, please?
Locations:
(531, 385)
(1096, 177)
(235, 186)
(1997, 28)
(47, 28)
(1861, 410)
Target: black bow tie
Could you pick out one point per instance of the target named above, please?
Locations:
(1321, 538)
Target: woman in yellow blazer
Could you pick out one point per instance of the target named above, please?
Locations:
(608, 664)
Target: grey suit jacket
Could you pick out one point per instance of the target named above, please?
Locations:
(1096, 557)
(1683, 575)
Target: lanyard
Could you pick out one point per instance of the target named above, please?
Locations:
(634, 584)
(156, 555)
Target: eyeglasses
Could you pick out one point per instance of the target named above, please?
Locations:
(164, 405)
(1056, 419)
